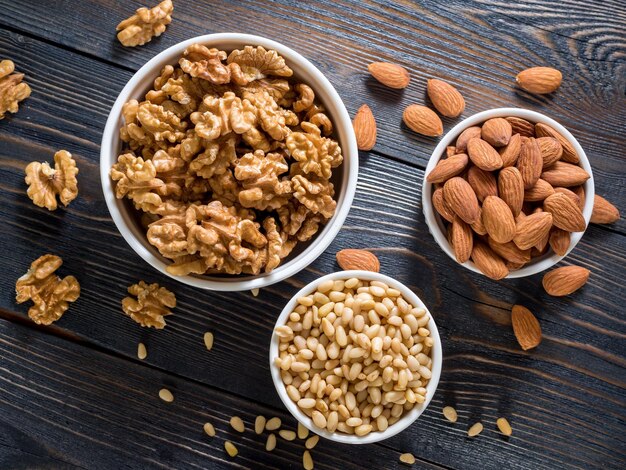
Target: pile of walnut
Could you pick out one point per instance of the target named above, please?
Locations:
(229, 161)
(12, 89)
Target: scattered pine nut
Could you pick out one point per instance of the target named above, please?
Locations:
(142, 353)
(450, 414)
(303, 431)
(230, 448)
(287, 435)
(273, 424)
(259, 424)
(255, 292)
(166, 395)
(407, 458)
(312, 441)
(237, 424)
(270, 445)
(209, 429)
(307, 460)
(475, 430)
(208, 340)
(504, 426)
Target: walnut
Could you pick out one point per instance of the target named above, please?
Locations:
(49, 293)
(306, 98)
(45, 183)
(136, 179)
(298, 222)
(12, 89)
(144, 24)
(160, 123)
(276, 87)
(315, 193)
(217, 157)
(273, 119)
(152, 304)
(253, 63)
(278, 244)
(225, 187)
(220, 116)
(201, 62)
(169, 235)
(258, 173)
(189, 264)
(315, 154)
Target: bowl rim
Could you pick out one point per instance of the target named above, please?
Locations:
(407, 419)
(434, 222)
(341, 120)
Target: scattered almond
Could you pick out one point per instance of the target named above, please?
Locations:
(497, 132)
(351, 258)
(526, 327)
(422, 120)
(391, 75)
(569, 154)
(565, 280)
(445, 98)
(603, 211)
(540, 80)
(566, 214)
(365, 128)
(446, 169)
(504, 426)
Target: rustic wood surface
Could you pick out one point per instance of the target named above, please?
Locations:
(74, 394)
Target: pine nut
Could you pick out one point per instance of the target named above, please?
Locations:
(450, 414)
(318, 419)
(209, 429)
(504, 426)
(208, 340)
(270, 444)
(307, 460)
(475, 430)
(307, 403)
(363, 429)
(230, 448)
(259, 424)
(407, 458)
(273, 424)
(303, 431)
(237, 424)
(287, 435)
(166, 395)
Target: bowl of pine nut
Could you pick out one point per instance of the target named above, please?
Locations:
(355, 357)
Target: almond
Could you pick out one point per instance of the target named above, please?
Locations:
(564, 174)
(559, 241)
(461, 239)
(580, 192)
(445, 98)
(465, 136)
(541, 80)
(498, 219)
(569, 153)
(483, 155)
(542, 245)
(510, 153)
(565, 213)
(446, 169)
(490, 264)
(565, 280)
(450, 151)
(422, 120)
(441, 206)
(391, 75)
(497, 132)
(551, 150)
(461, 198)
(541, 190)
(363, 260)
(531, 229)
(526, 327)
(570, 194)
(364, 128)
(482, 182)
(521, 126)
(478, 226)
(529, 162)
(603, 211)
(511, 188)
(510, 252)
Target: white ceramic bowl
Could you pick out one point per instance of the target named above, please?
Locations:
(408, 418)
(345, 176)
(435, 222)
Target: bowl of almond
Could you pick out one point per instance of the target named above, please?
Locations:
(508, 193)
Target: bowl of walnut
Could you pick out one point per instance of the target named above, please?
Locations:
(229, 162)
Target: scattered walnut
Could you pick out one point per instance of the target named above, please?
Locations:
(49, 293)
(45, 183)
(12, 89)
(152, 304)
(144, 24)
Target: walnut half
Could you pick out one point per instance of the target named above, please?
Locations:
(144, 24)
(45, 183)
(152, 304)
(12, 89)
(49, 293)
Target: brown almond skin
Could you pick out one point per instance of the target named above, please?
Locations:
(551, 150)
(391, 75)
(478, 226)
(565, 280)
(510, 252)
(603, 211)
(511, 189)
(461, 198)
(445, 98)
(450, 151)
(569, 154)
(526, 327)
(462, 238)
(541, 190)
(580, 192)
(564, 174)
(521, 126)
(351, 258)
(441, 206)
(498, 219)
(531, 229)
(510, 153)
(489, 263)
(570, 194)
(566, 214)
(446, 169)
(482, 182)
(540, 80)
(422, 120)
(364, 128)
(483, 155)
(559, 241)
(530, 162)
(465, 136)
(497, 132)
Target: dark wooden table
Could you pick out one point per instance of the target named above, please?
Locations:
(74, 394)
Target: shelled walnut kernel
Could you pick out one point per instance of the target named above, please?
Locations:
(45, 183)
(152, 304)
(12, 89)
(355, 356)
(146, 23)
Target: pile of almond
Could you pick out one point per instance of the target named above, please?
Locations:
(510, 190)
